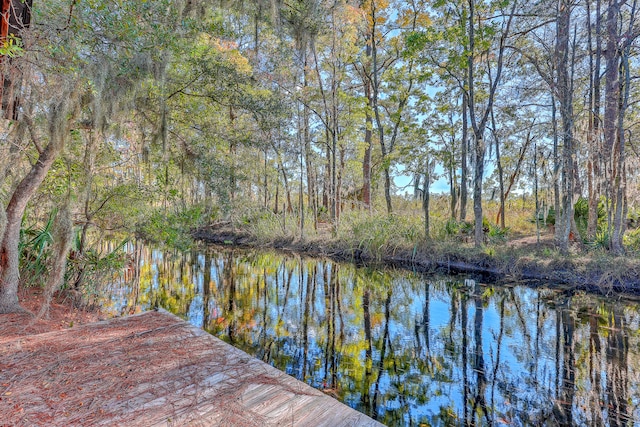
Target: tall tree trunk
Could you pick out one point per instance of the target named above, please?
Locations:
(334, 130)
(301, 208)
(556, 168)
(477, 191)
(479, 121)
(425, 199)
(334, 149)
(326, 180)
(620, 181)
(285, 180)
(535, 190)
(612, 105)
(387, 147)
(463, 158)
(387, 189)
(500, 216)
(326, 118)
(453, 185)
(312, 200)
(339, 182)
(375, 92)
(9, 256)
(593, 135)
(565, 97)
(265, 187)
(477, 131)
(366, 165)
(233, 179)
(276, 204)
(368, 132)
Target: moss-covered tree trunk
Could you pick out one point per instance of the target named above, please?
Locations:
(565, 97)
(9, 255)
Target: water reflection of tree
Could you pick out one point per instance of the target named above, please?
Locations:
(263, 340)
(595, 376)
(132, 276)
(497, 361)
(206, 291)
(334, 329)
(479, 403)
(382, 344)
(422, 326)
(617, 372)
(310, 277)
(564, 363)
(230, 290)
(171, 285)
(365, 397)
(383, 352)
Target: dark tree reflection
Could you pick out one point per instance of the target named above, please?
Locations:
(567, 389)
(479, 404)
(206, 291)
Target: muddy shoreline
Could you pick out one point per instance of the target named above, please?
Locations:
(567, 274)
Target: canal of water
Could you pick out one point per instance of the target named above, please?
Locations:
(402, 347)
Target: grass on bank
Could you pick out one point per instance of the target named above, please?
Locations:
(377, 233)
(518, 249)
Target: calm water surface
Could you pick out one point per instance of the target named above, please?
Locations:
(406, 349)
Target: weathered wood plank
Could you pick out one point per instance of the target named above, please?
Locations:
(152, 369)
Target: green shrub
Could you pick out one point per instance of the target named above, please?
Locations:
(35, 248)
(497, 234)
(602, 240)
(451, 227)
(173, 230)
(466, 228)
(458, 230)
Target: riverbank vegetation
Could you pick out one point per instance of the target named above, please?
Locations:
(382, 125)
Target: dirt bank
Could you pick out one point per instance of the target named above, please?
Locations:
(517, 260)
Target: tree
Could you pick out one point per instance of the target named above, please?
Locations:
(82, 76)
(479, 118)
(617, 82)
(564, 94)
(390, 75)
(59, 128)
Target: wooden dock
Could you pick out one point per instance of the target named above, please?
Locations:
(152, 369)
